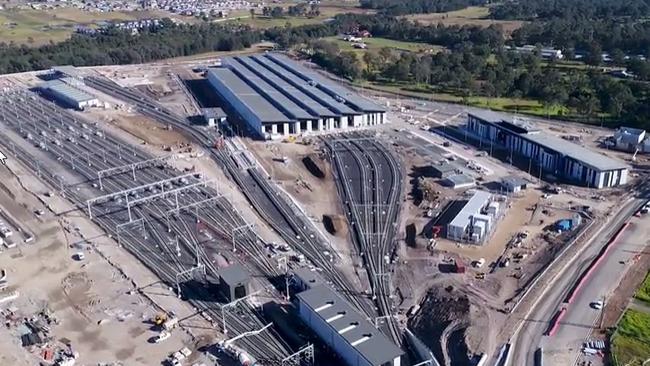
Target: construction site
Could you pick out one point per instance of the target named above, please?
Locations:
(165, 203)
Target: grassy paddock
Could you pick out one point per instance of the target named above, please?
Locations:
(643, 293)
(375, 43)
(511, 105)
(631, 341)
(473, 15)
(37, 27)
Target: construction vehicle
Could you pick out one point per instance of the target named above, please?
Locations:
(164, 321)
(159, 319)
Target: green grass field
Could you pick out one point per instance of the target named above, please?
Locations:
(37, 27)
(327, 10)
(379, 43)
(631, 341)
(511, 105)
(473, 15)
(643, 293)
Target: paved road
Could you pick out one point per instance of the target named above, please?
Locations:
(581, 320)
(529, 337)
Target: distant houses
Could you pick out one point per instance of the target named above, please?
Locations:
(134, 26)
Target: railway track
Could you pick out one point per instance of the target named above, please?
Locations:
(369, 182)
(66, 140)
(292, 226)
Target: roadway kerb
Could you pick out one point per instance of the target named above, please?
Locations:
(560, 271)
(594, 265)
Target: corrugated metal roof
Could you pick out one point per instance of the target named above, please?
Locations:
(287, 89)
(256, 104)
(460, 179)
(286, 105)
(327, 85)
(304, 86)
(59, 87)
(576, 152)
(343, 319)
(472, 207)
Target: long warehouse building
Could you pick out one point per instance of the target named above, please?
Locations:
(275, 96)
(561, 158)
(345, 330)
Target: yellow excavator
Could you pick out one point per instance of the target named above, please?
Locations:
(165, 321)
(159, 319)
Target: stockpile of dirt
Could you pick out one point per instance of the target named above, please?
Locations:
(336, 225)
(441, 324)
(313, 167)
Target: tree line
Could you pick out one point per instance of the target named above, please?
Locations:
(401, 7)
(476, 64)
(549, 9)
(299, 10)
(120, 47)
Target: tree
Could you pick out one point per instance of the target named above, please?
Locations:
(422, 70)
(372, 59)
(617, 97)
(585, 102)
(276, 12)
(618, 56)
(594, 54)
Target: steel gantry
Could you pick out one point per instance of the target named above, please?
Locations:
(130, 167)
(175, 192)
(120, 228)
(303, 357)
(125, 193)
(236, 231)
(225, 307)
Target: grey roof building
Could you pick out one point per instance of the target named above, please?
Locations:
(68, 94)
(234, 281)
(460, 228)
(356, 341)
(557, 157)
(213, 116)
(275, 96)
(306, 278)
(457, 181)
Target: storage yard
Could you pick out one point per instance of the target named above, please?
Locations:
(254, 211)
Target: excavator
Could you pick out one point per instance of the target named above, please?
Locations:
(159, 319)
(165, 321)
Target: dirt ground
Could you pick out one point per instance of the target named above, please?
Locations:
(318, 196)
(101, 310)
